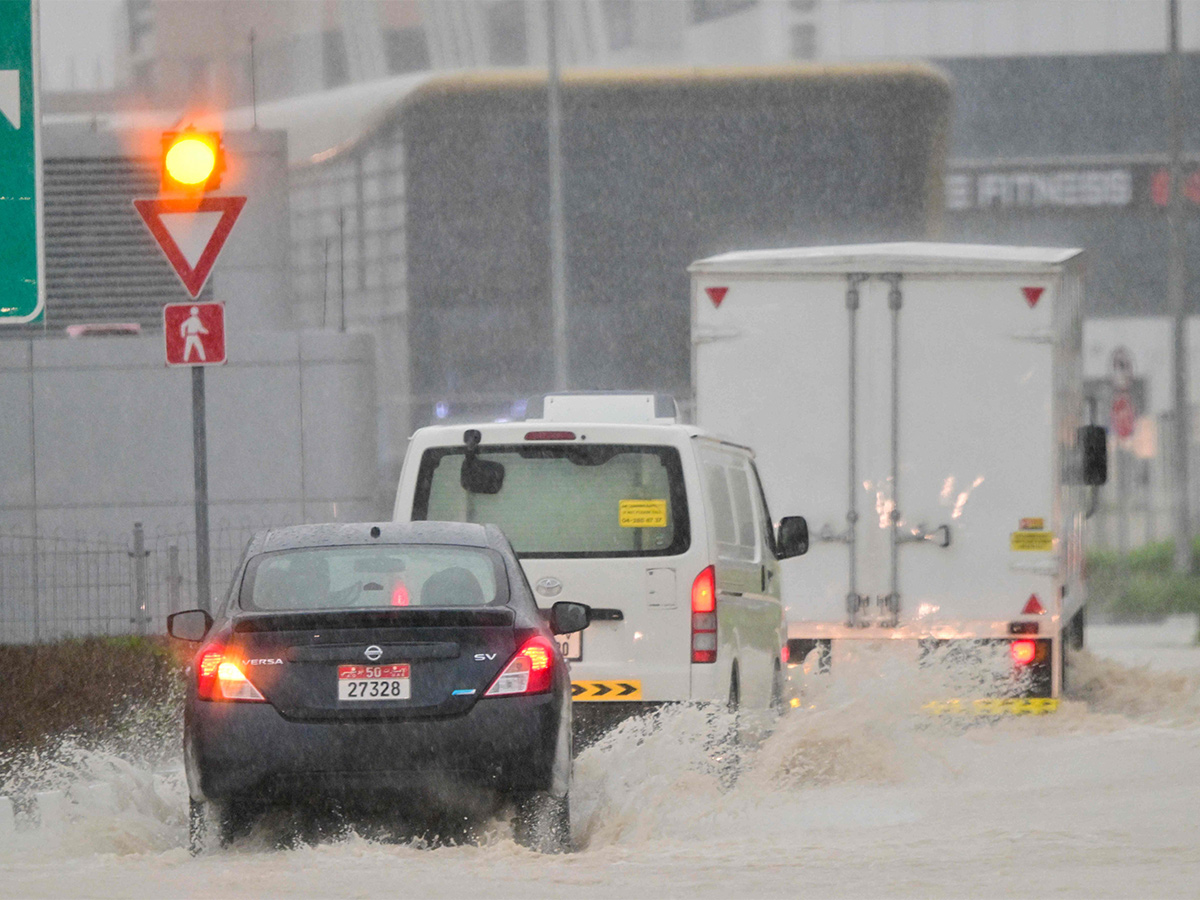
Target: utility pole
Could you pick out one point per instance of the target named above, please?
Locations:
(1176, 293)
(558, 261)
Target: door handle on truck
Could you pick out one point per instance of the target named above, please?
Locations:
(828, 536)
(940, 536)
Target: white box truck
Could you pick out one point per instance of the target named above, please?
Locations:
(922, 405)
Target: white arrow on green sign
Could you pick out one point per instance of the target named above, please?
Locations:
(21, 291)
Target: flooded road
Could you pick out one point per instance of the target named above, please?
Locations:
(859, 797)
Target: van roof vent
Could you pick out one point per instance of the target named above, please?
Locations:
(603, 406)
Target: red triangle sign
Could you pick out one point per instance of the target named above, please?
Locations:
(1033, 607)
(1033, 295)
(191, 233)
(716, 294)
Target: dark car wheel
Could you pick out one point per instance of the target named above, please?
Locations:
(215, 825)
(543, 822)
(205, 832)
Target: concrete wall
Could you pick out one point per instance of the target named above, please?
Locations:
(96, 433)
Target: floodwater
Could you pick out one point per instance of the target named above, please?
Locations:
(858, 797)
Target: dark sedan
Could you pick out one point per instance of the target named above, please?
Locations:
(407, 662)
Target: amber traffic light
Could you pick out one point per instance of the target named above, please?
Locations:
(192, 161)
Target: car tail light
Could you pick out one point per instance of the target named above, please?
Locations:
(550, 436)
(220, 677)
(400, 594)
(1023, 652)
(704, 616)
(528, 672)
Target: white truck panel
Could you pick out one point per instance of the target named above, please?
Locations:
(763, 371)
(966, 401)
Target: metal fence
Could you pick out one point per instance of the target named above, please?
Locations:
(56, 586)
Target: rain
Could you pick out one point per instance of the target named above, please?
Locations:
(848, 346)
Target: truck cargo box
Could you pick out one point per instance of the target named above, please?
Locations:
(921, 404)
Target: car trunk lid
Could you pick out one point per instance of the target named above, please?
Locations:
(448, 657)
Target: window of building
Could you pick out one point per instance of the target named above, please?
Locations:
(336, 64)
(804, 40)
(706, 10)
(406, 49)
(618, 22)
(506, 33)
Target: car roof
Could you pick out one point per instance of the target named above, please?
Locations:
(341, 534)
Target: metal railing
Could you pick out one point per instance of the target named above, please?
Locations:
(57, 586)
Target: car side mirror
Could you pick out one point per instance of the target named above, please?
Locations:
(566, 617)
(793, 537)
(1093, 452)
(191, 625)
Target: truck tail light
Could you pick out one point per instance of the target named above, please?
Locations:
(219, 676)
(530, 670)
(704, 616)
(1023, 652)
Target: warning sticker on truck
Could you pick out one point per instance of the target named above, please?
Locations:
(1032, 524)
(643, 514)
(1031, 540)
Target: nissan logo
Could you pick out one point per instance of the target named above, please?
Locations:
(549, 587)
(373, 652)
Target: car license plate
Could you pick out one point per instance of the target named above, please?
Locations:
(570, 645)
(374, 682)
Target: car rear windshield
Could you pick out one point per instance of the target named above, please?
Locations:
(555, 500)
(373, 576)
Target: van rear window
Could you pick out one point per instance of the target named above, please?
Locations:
(561, 501)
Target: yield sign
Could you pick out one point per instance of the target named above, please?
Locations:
(191, 233)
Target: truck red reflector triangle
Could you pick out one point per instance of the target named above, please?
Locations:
(1032, 295)
(1033, 607)
(716, 294)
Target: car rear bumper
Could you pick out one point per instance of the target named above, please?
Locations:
(503, 744)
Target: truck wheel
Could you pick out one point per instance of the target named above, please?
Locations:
(1072, 639)
(543, 822)
(777, 703)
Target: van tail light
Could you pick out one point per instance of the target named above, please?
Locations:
(704, 616)
(530, 670)
(219, 676)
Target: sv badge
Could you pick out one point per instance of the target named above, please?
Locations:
(482, 657)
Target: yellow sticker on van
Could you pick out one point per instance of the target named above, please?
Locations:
(1031, 540)
(643, 514)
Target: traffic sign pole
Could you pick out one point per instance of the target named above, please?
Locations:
(200, 472)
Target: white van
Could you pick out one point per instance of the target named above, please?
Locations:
(662, 529)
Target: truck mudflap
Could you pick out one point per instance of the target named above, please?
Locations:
(993, 706)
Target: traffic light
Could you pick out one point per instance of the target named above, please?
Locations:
(192, 161)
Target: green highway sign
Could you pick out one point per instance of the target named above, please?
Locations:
(21, 290)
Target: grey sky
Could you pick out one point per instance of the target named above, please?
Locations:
(77, 43)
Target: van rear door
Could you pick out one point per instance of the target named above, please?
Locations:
(596, 523)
